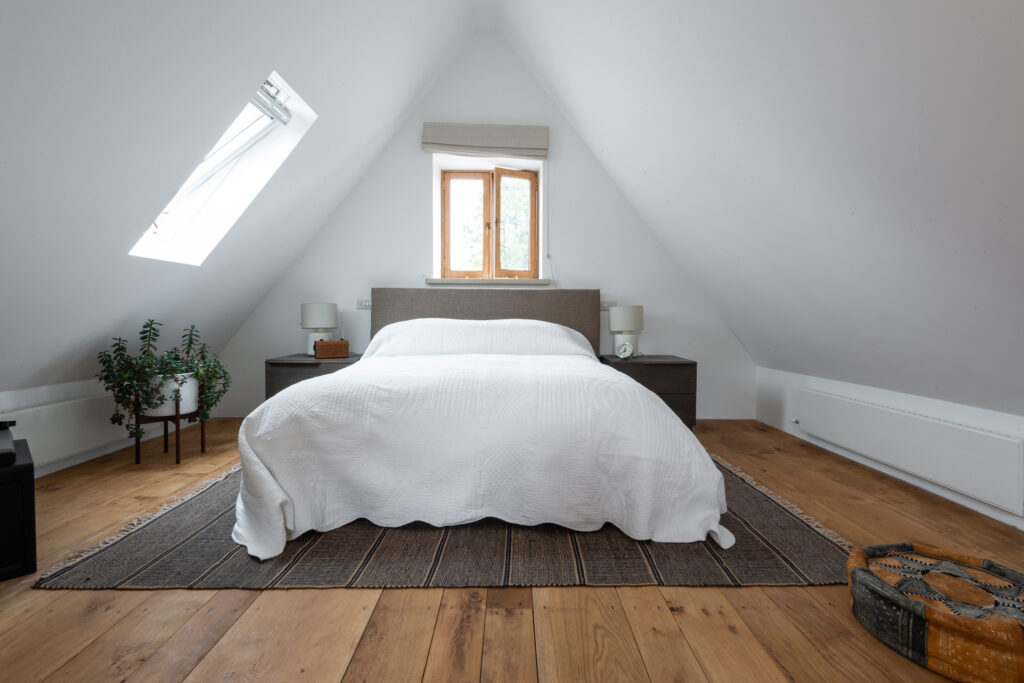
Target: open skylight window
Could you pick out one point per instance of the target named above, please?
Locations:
(229, 177)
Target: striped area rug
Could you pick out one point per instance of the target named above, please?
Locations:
(188, 545)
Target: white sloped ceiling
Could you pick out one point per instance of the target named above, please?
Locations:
(109, 106)
(844, 179)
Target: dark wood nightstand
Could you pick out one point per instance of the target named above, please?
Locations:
(287, 370)
(672, 378)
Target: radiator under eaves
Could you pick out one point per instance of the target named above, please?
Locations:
(978, 463)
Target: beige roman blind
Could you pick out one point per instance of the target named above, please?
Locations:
(484, 140)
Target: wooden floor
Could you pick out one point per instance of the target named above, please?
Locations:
(566, 634)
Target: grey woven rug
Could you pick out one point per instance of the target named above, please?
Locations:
(190, 546)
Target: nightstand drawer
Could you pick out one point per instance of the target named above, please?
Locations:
(282, 376)
(671, 379)
(287, 370)
(637, 372)
(683, 405)
(662, 378)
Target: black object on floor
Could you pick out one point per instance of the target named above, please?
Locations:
(17, 514)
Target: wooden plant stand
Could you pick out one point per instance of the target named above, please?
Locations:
(176, 418)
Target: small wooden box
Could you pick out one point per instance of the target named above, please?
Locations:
(333, 348)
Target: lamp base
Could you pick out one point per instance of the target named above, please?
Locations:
(313, 338)
(622, 337)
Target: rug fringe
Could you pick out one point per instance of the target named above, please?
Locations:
(790, 507)
(138, 523)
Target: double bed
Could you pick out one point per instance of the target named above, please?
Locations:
(475, 404)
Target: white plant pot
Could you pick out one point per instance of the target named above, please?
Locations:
(189, 397)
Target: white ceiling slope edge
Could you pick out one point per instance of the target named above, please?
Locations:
(844, 179)
(111, 106)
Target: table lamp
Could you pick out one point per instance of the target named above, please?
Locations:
(321, 318)
(625, 322)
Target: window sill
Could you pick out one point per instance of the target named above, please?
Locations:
(476, 281)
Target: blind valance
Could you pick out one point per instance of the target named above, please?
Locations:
(486, 140)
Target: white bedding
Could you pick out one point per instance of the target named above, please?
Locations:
(450, 421)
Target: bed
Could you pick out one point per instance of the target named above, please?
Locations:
(446, 420)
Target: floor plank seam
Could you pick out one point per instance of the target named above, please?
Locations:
(679, 626)
(433, 631)
(632, 633)
(200, 660)
(533, 618)
(483, 644)
(94, 639)
(373, 609)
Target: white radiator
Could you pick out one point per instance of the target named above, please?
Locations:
(56, 431)
(978, 463)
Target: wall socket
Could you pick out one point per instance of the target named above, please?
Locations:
(364, 304)
(605, 305)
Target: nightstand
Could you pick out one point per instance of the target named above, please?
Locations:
(672, 378)
(287, 370)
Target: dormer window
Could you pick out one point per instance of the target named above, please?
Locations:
(490, 224)
(488, 201)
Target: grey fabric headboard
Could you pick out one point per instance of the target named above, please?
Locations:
(579, 309)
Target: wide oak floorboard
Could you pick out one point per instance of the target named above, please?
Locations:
(495, 634)
(456, 649)
(510, 654)
(583, 635)
(291, 635)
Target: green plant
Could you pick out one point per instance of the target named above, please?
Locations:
(214, 380)
(135, 380)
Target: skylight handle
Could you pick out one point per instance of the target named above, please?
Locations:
(268, 100)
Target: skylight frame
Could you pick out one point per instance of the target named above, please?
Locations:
(229, 177)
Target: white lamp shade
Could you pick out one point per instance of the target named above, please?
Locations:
(319, 316)
(626, 318)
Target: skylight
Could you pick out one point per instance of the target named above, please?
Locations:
(229, 177)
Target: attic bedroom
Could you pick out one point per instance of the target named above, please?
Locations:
(525, 341)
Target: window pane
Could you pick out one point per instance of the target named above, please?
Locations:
(466, 230)
(515, 223)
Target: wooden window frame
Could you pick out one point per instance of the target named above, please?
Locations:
(491, 225)
(446, 177)
(534, 270)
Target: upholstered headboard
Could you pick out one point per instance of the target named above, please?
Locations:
(579, 309)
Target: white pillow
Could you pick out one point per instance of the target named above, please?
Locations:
(436, 336)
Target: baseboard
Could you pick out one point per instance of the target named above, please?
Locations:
(955, 496)
(65, 424)
(779, 407)
(85, 456)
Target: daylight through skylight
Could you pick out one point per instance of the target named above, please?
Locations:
(229, 177)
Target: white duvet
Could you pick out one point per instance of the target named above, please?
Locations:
(450, 421)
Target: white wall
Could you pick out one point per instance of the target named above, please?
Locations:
(777, 406)
(380, 236)
(119, 101)
(116, 104)
(843, 179)
(65, 424)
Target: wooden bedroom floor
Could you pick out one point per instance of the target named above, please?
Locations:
(514, 634)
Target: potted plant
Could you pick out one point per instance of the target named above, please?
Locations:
(149, 382)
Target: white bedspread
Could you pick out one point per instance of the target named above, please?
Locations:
(422, 429)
